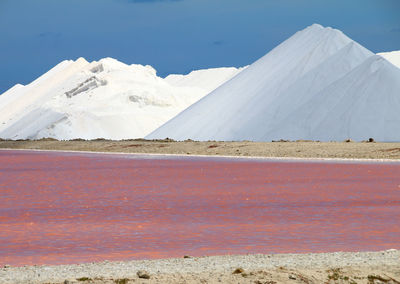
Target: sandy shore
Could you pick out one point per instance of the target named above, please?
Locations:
(341, 267)
(350, 150)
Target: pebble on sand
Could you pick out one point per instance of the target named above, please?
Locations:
(238, 271)
(143, 274)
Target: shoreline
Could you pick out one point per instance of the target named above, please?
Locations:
(346, 267)
(262, 158)
(282, 151)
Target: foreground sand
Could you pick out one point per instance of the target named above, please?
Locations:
(365, 267)
(351, 150)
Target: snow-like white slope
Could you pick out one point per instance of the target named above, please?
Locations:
(11, 94)
(105, 99)
(318, 84)
(12, 90)
(364, 103)
(393, 57)
(18, 100)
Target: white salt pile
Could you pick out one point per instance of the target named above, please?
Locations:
(104, 99)
(317, 85)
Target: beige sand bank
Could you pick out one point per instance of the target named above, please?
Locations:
(350, 150)
(340, 267)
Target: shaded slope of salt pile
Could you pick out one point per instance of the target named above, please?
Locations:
(317, 85)
(105, 99)
(364, 103)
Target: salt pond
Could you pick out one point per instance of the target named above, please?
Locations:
(59, 207)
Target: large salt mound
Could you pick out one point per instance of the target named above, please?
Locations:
(105, 99)
(317, 85)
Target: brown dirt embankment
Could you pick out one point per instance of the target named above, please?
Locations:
(300, 149)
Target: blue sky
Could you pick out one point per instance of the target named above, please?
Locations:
(175, 36)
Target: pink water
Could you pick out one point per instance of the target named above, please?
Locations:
(58, 208)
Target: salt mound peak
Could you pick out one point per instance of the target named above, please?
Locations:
(81, 60)
(316, 85)
(110, 64)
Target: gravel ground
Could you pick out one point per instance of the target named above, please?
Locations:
(350, 150)
(340, 267)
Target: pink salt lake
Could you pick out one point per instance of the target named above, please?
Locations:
(59, 208)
